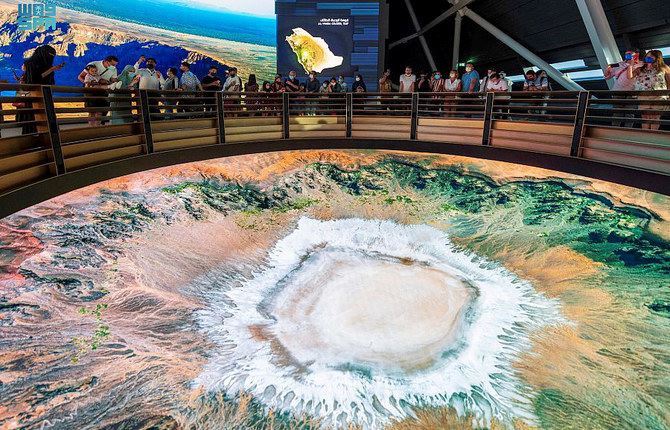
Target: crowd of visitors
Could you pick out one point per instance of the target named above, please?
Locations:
(646, 72)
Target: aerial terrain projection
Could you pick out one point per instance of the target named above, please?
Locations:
(225, 33)
(338, 290)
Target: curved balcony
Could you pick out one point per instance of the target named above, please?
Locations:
(50, 146)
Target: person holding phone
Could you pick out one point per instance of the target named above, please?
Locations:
(623, 81)
(651, 75)
(618, 71)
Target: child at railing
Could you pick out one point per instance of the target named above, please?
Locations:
(94, 80)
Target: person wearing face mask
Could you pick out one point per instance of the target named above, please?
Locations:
(651, 75)
(437, 82)
(148, 78)
(452, 85)
(334, 86)
(470, 79)
(313, 83)
(407, 81)
(343, 85)
(359, 84)
(232, 88)
(619, 71)
(233, 84)
(292, 84)
(623, 82)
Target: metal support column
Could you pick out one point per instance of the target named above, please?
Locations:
(600, 33)
(414, 124)
(286, 123)
(580, 121)
(54, 132)
(349, 112)
(220, 117)
(455, 56)
(146, 121)
(488, 119)
(452, 10)
(523, 51)
(422, 39)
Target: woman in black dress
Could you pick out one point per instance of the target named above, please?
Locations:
(39, 71)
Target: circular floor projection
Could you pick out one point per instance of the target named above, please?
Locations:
(337, 289)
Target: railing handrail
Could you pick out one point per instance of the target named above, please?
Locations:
(577, 109)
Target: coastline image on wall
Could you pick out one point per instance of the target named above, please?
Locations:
(331, 38)
(225, 33)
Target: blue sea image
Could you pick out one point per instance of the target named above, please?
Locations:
(155, 14)
(165, 14)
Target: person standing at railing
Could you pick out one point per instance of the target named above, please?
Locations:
(483, 83)
(359, 84)
(343, 84)
(334, 86)
(623, 82)
(651, 75)
(94, 80)
(40, 70)
(121, 109)
(407, 81)
(385, 84)
(470, 79)
(232, 89)
(453, 84)
(252, 89)
(266, 92)
(189, 84)
(278, 86)
(312, 88)
(423, 84)
(292, 84)
(172, 85)
(149, 78)
(536, 83)
(495, 84)
(210, 84)
(107, 71)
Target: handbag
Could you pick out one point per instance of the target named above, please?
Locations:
(18, 104)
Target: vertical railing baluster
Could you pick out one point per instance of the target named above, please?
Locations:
(488, 119)
(414, 124)
(349, 101)
(54, 131)
(220, 117)
(146, 121)
(580, 122)
(286, 124)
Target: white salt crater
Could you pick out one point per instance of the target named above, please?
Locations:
(360, 321)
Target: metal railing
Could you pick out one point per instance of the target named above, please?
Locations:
(50, 131)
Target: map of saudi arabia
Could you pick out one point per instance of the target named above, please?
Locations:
(313, 53)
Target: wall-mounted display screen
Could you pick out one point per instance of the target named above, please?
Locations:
(331, 38)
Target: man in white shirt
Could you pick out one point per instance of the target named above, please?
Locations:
(106, 69)
(407, 81)
(106, 73)
(233, 83)
(149, 78)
